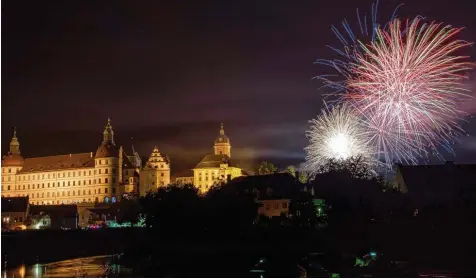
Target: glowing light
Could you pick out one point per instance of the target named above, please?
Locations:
(405, 87)
(335, 135)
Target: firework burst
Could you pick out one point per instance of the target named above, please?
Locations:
(335, 135)
(405, 87)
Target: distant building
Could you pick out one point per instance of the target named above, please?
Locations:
(216, 168)
(15, 211)
(102, 176)
(64, 216)
(274, 192)
(436, 184)
(184, 178)
(156, 172)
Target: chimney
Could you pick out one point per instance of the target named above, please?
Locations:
(91, 155)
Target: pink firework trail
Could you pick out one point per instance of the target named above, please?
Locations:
(405, 86)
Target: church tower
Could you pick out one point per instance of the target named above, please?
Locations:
(156, 172)
(222, 144)
(12, 163)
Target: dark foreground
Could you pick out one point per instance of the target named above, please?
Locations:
(270, 252)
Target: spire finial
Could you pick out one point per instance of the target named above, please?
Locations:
(222, 130)
(109, 121)
(14, 132)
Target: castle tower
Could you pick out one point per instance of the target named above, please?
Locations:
(12, 163)
(107, 166)
(222, 144)
(156, 172)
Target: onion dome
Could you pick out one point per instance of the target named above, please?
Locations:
(222, 138)
(108, 147)
(13, 157)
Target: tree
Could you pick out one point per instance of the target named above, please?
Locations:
(302, 210)
(266, 167)
(291, 170)
(128, 211)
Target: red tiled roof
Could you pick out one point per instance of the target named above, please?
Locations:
(59, 162)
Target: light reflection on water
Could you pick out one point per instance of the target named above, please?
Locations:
(98, 266)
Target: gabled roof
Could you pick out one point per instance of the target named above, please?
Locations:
(62, 210)
(58, 162)
(438, 181)
(15, 204)
(214, 161)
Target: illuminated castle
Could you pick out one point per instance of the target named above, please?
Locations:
(101, 176)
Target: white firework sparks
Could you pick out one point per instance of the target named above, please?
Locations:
(336, 134)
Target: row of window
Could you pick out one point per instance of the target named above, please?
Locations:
(68, 193)
(27, 186)
(276, 205)
(70, 174)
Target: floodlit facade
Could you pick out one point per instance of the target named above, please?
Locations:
(156, 172)
(102, 176)
(218, 167)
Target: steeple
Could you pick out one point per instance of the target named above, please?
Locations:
(222, 143)
(14, 144)
(108, 134)
(222, 131)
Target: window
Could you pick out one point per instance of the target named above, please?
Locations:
(21, 219)
(64, 184)
(89, 181)
(285, 205)
(113, 170)
(276, 206)
(28, 186)
(94, 171)
(106, 171)
(89, 191)
(106, 180)
(268, 206)
(100, 162)
(113, 190)
(89, 172)
(107, 162)
(79, 183)
(84, 192)
(113, 180)
(79, 173)
(84, 173)
(23, 187)
(64, 174)
(48, 194)
(84, 182)
(42, 195)
(94, 181)
(42, 185)
(48, 185)
(74, 183)
(69, 174)
(105, 190)
(99, 191)
(43, 176)
(74, 192)
(48, 175)
(99, 180)
(161, 174)
(99, 171)
(8, 188)
(9, 170)
(69, 183)
(68, 193)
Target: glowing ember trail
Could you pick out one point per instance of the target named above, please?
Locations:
(405, 86)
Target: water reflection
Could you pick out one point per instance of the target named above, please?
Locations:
(99, 266)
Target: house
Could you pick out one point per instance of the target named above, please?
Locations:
(437, 184)
(273, 191)
(60, 216)
(15, 212)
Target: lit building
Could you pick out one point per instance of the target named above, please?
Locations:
(73, 178)
(218, 167)
(156, 172)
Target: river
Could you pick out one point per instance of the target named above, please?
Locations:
(98, 266)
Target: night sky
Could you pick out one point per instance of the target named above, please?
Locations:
(168, 73)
